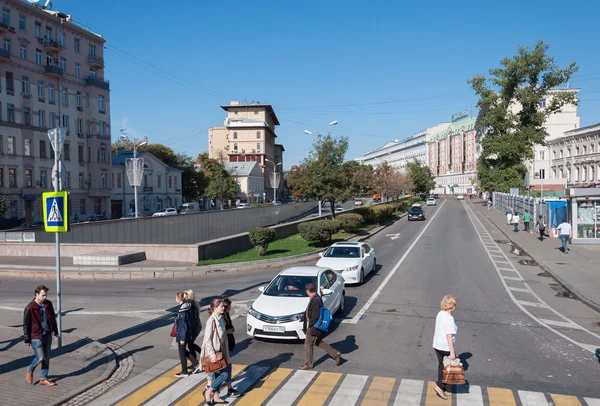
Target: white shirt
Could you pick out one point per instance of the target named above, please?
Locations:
(565, 229)
(444, 324)
(516, 218)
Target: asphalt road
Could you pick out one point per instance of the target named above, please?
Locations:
(500, 344)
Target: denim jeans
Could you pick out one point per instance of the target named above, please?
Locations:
(41, 352)
(218, 378)
(564, 239)
(516, 226)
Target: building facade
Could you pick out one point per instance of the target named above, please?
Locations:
(453, 156)
(250, 180)
(248, 134)
(51, 75)
(160, 189)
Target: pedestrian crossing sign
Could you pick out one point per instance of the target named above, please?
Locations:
(56, 211)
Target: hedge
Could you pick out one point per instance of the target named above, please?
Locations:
(320, 231)
(350, 222)
(260, 238)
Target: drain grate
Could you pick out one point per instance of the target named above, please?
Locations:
(529, 262)
(544, 274)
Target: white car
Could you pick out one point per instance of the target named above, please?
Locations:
(431, 202)
(460, 197)
(276, 313)
(168, 212)
(352, 260)
(242, 206)
(339, 209)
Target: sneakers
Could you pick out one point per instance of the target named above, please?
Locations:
(182, 375)
(45, 382)
(233, 393)
(29, 377)
(197, 368)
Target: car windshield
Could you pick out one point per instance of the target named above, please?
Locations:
(415, 210)
(342, 252)
(289, 285)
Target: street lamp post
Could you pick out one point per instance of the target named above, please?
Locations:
(135, 172)
(318, 133)
(274, 178)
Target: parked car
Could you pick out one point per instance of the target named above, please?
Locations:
(416, 213)
(277, 202)
(338, 208)
(358, 202)
(96, 217)
(436, 196)
(168, 212)
(276, 313)
(243, 206)
(352, 260)
(190, 207)
(431, 202)
(460, 197)
(132, 216)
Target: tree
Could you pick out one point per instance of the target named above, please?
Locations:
(361, 177)
(221, 185)
(2, 206)
(513, 117)
(421, 177)
(323, 175)
(389, 181)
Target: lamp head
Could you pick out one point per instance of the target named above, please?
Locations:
(333, 122)
(307, 132)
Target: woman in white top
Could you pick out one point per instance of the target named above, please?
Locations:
(443, 340)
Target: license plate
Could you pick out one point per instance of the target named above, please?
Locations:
(274, 329)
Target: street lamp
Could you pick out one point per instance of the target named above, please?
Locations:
(135, 172)
(274, 179)
(334, 122)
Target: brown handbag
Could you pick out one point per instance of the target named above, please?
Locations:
(207, 365)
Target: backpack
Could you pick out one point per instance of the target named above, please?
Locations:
(324, 319)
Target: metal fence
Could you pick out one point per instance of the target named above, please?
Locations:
(547, 208)
(181, 229)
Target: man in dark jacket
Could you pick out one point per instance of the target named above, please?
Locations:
(314, 336)
(39, 323)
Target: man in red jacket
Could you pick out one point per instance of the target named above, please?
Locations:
(39, 323)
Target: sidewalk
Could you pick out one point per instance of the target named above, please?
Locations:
(81, 364)
(577, 271)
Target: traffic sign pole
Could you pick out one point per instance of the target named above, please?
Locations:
(57, 238)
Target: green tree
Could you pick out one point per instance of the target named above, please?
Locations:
(323, 174)
(2, 205)
(421, 177)
(513, 117)
(361, 177)
(221, 185)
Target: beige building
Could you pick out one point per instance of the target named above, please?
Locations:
(250, 180)
(248, 134)
(51, 75)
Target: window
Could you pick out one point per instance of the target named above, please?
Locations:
(78, 99)
(67, 151)
(68, 179)
(258, 135)
(80, 153)
(38, 57)
(5, 16)
(553, 154)
(23, 51)
(77, 70)
(43, 178)
(104, 179)
(170, 182)
(10, 82)
(27, 150)
(101, 128)
(258, 147)
(26, 115)
(235, 135)
(49, 59)
(65, 121)
(576, 151)
(25, 87)
(12, 177)
(22, 22)
(560, 153)
(175, 181)
(11, 146)
(103, 156)
(61, 38)
(38, 29)
(1, 177)
(42, 149)
(92, 73)
(52, 120)
(145, 180)
(82, 206)
(81, 180)
(41, 118)
(64, 93)
(568, 152)
(48, 34)
(28, 178)
(10, 113)
(7, 45)
(92, 51)
(76, 44)
(41, 92)
(542, 174)
(101, 103)
(585, 150)
(50, 92)
(79, 126)
(543, 103)
(235, 148)
(158, 181)
(62, 63)
(118, 180)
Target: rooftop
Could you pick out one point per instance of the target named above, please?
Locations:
(240, 168)
(251, 105)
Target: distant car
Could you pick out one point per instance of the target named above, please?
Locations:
(242, 206)
(168, 212)
(96, 217)
(277, 203)
(352, 260)
(358, 202)
(431, 202)
(277, 312)
(28, 225)
(416, 205)
(460, 197)
(132, 216)
(190, 207)
(416, 213)
(338, 208)
(436, 196)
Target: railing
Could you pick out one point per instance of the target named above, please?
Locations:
(96, 60)
(54, 69)
(4, 53)
(103, 84)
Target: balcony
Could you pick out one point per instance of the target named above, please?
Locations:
(102, 84)
(49, 45)
(4, 55)
(96, 62)
(54, 71)
(4, 28)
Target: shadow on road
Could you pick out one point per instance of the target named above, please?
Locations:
(463, 358)
(347, 346)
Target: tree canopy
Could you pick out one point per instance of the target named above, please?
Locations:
(389, 181)
(2, 205)
(420, 175)
(221, 185)
(513, 113)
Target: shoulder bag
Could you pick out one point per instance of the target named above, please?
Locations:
(207, 365)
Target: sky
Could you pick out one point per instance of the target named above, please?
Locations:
(383, 69)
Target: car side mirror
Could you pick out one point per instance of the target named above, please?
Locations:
(326, 292)
(261, 289)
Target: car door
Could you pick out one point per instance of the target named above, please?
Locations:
(367, 260)
(334, 285)
(324, 284)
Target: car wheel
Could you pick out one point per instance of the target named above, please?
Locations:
(374, 265)
(362, 276)
(342, 305)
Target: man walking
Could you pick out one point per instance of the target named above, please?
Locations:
(526, 220)
(39, 323)
(565, 232)
(541, 224)
(516, 219)
(313, 336)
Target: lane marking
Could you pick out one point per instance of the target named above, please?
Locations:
(292, 388)
(371, 300)
(379, 391)
(532, 304)
(512, 278)
(564, 400)
(523, 290)
(472, 397)
(174, 392)
(561, 324)
(349, 391)
(152, 388)
(532, 398)
(592, 402)
(501, 397)
(409, 393)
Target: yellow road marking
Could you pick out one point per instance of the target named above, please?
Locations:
(196, 397)
(563, 400)
(319, 391)
(501, 397)
(152, 388)
(379, 391)
(264, 388)
(434, 400)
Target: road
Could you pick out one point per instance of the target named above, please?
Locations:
(500, 339)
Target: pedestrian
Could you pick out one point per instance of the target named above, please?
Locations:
(541, 225)
(444, 337)
(198, 324)
(516, 218)
(184, 333)
(508, 212)
(215, 341)
(565, 232)
(229, 330)
(39, 323)
(314, 336)
(489, 204)
(526, 220)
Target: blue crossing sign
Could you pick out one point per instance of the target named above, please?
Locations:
(56, 211)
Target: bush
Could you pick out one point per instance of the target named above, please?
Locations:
(260, 238)
(350, 222)
(320, 231)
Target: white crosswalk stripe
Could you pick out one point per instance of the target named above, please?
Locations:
(292, 388)
(532, 398)
(472, 397)
(409, 393)
(175, 391)
(592, 402)
(349, 391)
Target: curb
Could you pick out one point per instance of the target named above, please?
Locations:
(567, 286)
(110, 360)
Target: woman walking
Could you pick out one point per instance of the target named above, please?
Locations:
(541, 225)
(185, 328)
(193, 347)
(443, 341)
(229, 329)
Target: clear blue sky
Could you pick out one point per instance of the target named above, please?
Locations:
(385, 70)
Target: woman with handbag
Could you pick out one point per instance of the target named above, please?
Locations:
(193, 347)
(443, 341)
(215, 354)
(185, 328)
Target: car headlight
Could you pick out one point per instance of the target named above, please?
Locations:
(253, 313)
(297, 317)
(351, 268)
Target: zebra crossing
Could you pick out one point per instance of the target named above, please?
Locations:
(271, 386)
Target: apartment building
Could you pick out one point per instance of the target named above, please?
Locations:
(51, 75)
(248, 134)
